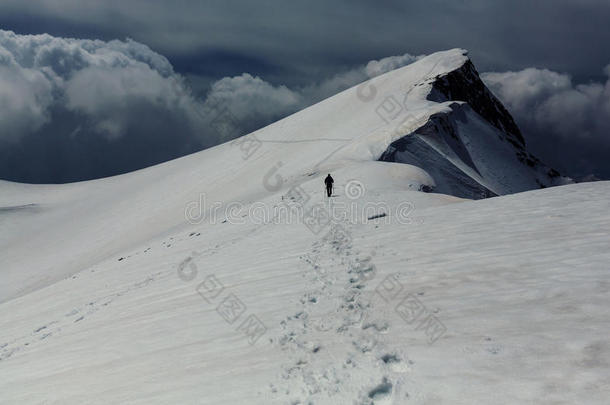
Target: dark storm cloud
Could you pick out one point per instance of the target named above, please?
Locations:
(297, 42)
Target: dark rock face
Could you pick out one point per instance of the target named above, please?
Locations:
(464, 85)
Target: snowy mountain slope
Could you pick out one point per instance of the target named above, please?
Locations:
(519, 282)
(74, 226)
(113, 290)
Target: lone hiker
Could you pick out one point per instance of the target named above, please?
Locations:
(329, 185)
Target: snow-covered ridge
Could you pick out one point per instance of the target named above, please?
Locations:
(465, 157)
(95, 306)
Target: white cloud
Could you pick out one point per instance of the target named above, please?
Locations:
(112, 97)
(567, 124)
(254, 102)
(102, 81)
(25, 95)
(525, 88)
(549, 101)
(344, 80)
(378, 67)
(251, 101)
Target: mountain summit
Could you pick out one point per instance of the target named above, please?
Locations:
(473, 148)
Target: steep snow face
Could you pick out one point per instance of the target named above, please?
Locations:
(475, 150)
(468, 157)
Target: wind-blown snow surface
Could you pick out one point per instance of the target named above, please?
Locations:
(109, 295)
(73, 226)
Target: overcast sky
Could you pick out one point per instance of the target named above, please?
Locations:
(547, 60)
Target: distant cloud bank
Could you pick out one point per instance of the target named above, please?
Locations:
(550, 101)
(570, 122)
(100, 82)
(76, 109)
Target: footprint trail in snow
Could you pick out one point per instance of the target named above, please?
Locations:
(355, 356)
